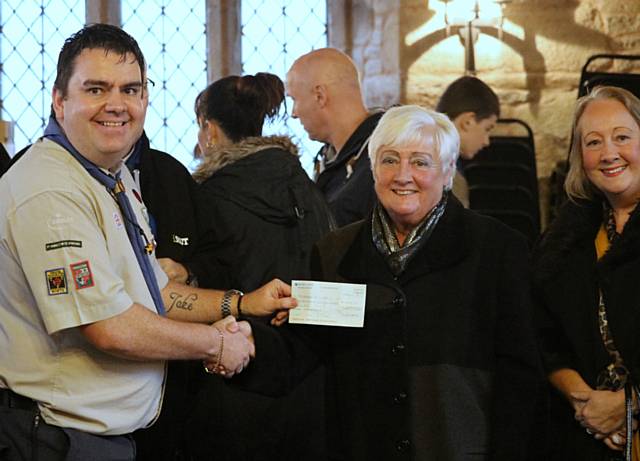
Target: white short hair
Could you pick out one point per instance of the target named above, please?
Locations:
(405, 125)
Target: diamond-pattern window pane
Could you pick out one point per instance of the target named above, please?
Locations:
(274, 34)
(172, 36)
(31, 35)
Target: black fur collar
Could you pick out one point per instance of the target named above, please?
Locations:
(217, 157)
(575, 229)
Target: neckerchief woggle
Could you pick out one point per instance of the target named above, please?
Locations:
(116, 188)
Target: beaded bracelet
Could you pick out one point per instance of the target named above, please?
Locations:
(218, 368)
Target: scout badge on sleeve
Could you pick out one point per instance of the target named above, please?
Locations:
(81, 274)
(56, 281)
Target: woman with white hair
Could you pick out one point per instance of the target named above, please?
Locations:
(445, 366)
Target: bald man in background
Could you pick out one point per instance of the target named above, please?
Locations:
(325, 87)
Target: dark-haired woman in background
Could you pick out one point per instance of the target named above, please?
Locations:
(263, 214)
(265, 211)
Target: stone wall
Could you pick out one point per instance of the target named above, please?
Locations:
(534, 65)
(369, 31)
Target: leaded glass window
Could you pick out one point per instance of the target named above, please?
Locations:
(171, 34)
(31, 36)
(274, 34)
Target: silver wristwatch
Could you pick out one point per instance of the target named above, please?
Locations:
(225, 306)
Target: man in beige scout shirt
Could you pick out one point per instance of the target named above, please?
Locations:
(82, 346)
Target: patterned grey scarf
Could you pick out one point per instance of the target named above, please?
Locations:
(385, 240)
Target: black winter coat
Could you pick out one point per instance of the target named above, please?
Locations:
(567, 277)
(170, 195)
(350, 195)
(263, 216)
(445, 368)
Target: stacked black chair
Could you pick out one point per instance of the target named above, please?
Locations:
(503, 181)
(557, 195)
(589, 79)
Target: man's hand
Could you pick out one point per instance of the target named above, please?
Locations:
(272, 298)
(280, 318)
(174, 270)
(236, 348)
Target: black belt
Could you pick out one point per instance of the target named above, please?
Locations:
(10, 399)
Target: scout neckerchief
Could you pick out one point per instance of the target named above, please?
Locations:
(141, 248)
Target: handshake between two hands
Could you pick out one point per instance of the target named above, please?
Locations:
(236, 347)
(235, 350)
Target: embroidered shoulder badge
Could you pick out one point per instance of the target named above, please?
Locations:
(62, 244)
(57, 281)
(82, 276)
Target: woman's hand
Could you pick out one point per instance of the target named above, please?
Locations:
(174, 270)
(569, 382)
(235, 350)
(578, 403)
(618, 439)
(615, 441)
(600, 412)
(272, 298)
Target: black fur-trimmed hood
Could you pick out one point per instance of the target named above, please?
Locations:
(576, 228)
(217, 158)
(260, 175)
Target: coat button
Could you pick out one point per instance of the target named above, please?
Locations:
(398, 301)
(397, 349)
(403, 445)
(400, 397)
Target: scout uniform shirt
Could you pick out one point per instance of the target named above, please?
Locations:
(66, 261)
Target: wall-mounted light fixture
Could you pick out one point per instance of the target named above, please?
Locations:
(466, 17)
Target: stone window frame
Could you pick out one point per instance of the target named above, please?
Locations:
(366, 30)
(224, 55)
(347, 22)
